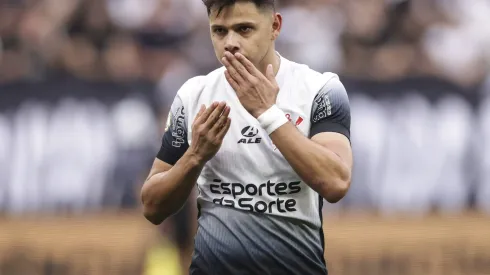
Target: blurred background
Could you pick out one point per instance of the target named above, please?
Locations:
(85, 87)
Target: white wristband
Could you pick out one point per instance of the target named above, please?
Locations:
(272, 119)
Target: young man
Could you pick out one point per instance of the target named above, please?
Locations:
(263, 157)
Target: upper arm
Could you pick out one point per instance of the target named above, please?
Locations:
(338, 144)
(331, 119)
(174, 140)
(158, 167)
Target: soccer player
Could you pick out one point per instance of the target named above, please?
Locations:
(266, 139)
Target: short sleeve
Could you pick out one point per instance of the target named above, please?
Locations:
(174, 141)
(331, 110)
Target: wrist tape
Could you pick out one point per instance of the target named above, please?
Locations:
(272, 119)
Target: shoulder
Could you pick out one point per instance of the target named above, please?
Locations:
(334, 88)
(330, 110)
(314, 80)
(331, 99)
(193, 86)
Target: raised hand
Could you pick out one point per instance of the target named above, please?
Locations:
(257, 92)
(209, 129)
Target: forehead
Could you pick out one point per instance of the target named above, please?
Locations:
(236, 13)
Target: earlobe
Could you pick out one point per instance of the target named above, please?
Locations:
(274, 34)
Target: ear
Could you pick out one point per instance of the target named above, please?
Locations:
(276, 25)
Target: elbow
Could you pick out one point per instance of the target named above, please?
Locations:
(152, 215)
(335, 189)
(337, 192)
(151, 211)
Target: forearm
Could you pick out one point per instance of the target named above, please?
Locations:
(317, 166)
(165, 193)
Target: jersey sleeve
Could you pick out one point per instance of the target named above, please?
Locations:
(331, 110)
(174, 141)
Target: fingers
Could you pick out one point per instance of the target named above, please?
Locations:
(232, 82)
(221, 121)
(201, 110)
(214, 116)
(221, 134)
(235, 68)
(269, 73)
(215, 119)
(238, 66)
(247, 64)
(201, 117)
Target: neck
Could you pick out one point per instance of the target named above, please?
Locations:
(270, 58)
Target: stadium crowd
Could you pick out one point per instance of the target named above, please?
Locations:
(164, 42)
(129, 39)
(412, 155)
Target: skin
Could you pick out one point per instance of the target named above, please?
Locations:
(168, 186)
(243, 28)
(243, 38)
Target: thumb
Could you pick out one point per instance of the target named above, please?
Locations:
(269, 73)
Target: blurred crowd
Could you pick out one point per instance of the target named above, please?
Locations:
(120, 63)
(169, 39)
(164, 42)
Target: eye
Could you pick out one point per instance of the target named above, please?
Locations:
(245, 29)
(219, 31)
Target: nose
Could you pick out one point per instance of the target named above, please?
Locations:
(232, 44)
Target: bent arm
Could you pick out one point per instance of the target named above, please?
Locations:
(167, 187)
(323, 161)
(174, 171)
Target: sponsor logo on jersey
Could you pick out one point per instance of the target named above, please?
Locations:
(323, 107)
(178, 128)
(249, 134)
(242, 196)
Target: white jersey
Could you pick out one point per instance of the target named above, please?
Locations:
(248, 182)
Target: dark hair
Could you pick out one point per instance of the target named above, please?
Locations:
(220, 4)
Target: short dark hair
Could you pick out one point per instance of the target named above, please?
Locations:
(221, 4)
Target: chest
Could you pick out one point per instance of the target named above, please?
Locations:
(295, 101)
(246, 146)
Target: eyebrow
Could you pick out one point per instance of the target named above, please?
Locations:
(241, 24)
